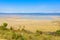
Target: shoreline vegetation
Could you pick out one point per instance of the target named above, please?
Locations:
(21, 29)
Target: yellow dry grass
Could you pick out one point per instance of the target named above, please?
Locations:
(32, 25)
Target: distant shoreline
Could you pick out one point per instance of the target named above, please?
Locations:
(33, 17)
(56, 14)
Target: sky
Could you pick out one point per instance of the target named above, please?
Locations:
(29, 6)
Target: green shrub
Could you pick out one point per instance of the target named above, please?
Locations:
(40, 32)
(5, 24)
(58, 32)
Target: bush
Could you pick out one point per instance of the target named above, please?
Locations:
(40, 32)
(58, 32)
(5, 24)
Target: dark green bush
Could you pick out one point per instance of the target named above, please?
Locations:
(40, 32)
(58, 32)
(5, 24)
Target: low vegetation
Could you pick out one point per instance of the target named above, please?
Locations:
(11, 34)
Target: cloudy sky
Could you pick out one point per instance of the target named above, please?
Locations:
(29, 6)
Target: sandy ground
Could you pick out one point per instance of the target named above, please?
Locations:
(31, 25)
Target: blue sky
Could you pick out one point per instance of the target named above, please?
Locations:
(30, 6)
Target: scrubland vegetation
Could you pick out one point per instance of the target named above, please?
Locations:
(22, 34)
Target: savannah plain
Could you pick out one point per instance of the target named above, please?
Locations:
(29, 29)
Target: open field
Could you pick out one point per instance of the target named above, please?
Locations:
(32, 25)
(28, 29)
